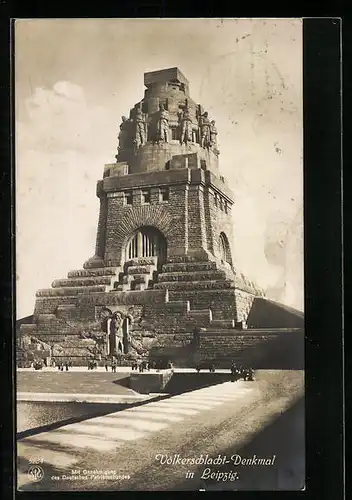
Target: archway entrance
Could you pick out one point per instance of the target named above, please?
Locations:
(147, 242)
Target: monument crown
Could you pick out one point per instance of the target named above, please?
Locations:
(166, 75)
(165, 125)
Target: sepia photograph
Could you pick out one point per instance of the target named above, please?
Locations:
(159, 254)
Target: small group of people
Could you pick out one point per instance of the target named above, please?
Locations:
(238, 372)
(146, 365)
(64, 365)
(205, 366)
(37, 364)
(141, 366)
(92, 364)
(113, 366)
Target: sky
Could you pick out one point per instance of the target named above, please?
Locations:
(75, 78)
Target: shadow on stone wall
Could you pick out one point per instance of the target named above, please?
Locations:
(268, 314)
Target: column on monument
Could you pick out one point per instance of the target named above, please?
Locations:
(108, 337)
(197, 239)
(113, 241)
(177, 243)
(209, 196)
(101, 231)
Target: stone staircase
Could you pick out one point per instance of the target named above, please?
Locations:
(57, 314)
(187, 274)
(63, 295)
(138, 274)
(195, 294)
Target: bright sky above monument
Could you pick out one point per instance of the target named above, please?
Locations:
(76, 78)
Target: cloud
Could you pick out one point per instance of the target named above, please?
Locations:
(60, 119)
(59, 158)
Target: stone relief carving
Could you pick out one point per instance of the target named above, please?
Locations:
(125, 134)
(185, 126)
(213, 134)
(141, 128)
(163, 125)
(204, 124)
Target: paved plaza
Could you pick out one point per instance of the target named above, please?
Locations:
(127, 442)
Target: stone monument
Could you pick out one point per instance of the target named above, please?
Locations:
(163, 262)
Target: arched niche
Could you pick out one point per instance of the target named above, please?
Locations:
(116, 325)
(146, 241)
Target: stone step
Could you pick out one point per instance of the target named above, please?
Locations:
(139, 286)
(66, 311)
(140, 279)
(182, 258)
(69, 291)
(87, 273)
(255, 331)
(46, 318)
(147, 270)
(225, 323)
(200, 315)
(196, 285)
(28, 329)
(191, 276)
(87, 281)
(177, 306)
(142, 261)
(189, 266)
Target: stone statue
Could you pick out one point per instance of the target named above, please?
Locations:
(213, 134)
(204, 130)
(163, 125)
(124, 135)
(186, 126)
(141, 131)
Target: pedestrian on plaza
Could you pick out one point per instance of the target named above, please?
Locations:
(106, 367)
(66, 366)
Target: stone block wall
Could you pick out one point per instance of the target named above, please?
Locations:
(244, 302)
(191, 221)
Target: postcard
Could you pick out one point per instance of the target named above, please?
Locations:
(159, 229)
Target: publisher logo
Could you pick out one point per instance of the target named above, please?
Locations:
(36, 473)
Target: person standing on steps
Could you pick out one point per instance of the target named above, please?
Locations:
(196, 336)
